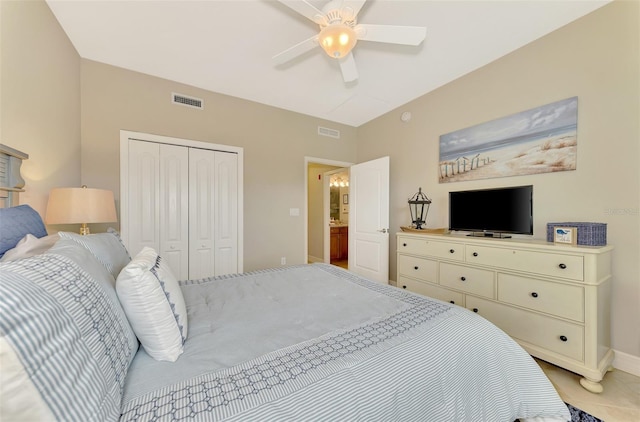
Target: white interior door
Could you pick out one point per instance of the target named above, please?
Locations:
(369, 219)
(174, 208)
(142, 227)
(226, 213)
(201, 215)
(159, 191)
(213, 213)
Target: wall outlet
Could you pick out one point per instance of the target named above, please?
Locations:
(283, 260)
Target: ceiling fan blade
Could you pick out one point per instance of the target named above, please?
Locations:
(296, 50)
(348, 68)
(306, 9)
(353, 6)
(407, 35)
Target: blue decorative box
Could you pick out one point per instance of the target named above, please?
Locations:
(589, 234)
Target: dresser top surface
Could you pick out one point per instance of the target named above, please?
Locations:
(508, 242)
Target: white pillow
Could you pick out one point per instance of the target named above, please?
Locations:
(107, 247)
(153, 301)
(30, 246)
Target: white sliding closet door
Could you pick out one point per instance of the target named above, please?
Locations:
(213, 213)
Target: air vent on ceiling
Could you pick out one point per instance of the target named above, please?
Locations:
(187, 101)
(331, 133)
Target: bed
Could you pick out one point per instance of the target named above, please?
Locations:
(83, 338)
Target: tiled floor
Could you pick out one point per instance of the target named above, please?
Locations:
(619, 402)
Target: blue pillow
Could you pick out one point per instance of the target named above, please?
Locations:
(16, 223)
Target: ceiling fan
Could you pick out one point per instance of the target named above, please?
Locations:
(339, 33)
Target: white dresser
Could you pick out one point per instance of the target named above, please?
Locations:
(552, 299)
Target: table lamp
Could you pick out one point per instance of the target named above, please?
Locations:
(80, 205)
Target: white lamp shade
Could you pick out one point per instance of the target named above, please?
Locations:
(80, 205)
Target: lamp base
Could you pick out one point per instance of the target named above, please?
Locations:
(84, 229)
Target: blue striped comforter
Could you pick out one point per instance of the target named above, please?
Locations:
(317, 343)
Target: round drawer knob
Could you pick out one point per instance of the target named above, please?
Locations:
(563, 338)
(475, 310)
(534, 294)
(404, 244)
(452, 301)
(475, 254)
(452, 251)
(463, 278)
(404, 287)
(415, 268)
(563, 266)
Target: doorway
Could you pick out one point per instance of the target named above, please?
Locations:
(318, 216)
(368, 215)
(336, 238)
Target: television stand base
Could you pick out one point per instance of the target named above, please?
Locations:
(489, 234)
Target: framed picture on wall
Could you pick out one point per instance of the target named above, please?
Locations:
(539, 140)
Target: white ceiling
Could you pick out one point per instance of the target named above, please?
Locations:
(227, 47)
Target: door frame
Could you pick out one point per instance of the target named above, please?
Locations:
(324, 161)
(125, 135)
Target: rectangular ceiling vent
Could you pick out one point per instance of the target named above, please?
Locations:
(331, 133)
(187, 101)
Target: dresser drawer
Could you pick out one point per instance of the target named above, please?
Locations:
(431, 290)
(422, 268)
(552, 334)
(467, 279)
(561, 300)
(433, 248)
(544, 263)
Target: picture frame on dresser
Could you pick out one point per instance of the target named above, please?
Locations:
(565, 235)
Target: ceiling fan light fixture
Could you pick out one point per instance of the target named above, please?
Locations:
(337, 40)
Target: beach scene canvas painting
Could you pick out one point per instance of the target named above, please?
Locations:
(539, 140)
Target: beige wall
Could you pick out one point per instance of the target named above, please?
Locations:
(595, 58)
(40, 101)
(275, 144)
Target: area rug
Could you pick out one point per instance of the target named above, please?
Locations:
(578, 415)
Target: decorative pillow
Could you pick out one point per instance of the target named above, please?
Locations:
(64, 331)
(107, 247)
(153, 301)
(99, 274)
(16, 223)
(117, 235)
(30, 246)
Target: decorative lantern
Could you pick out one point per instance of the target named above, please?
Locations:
(419, 208)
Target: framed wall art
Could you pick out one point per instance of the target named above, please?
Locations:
(539, 140)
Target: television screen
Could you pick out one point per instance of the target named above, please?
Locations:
(501, 210)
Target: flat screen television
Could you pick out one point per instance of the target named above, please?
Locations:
(492, 212)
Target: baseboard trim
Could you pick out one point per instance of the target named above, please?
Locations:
(313, 259)
(627, 363)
